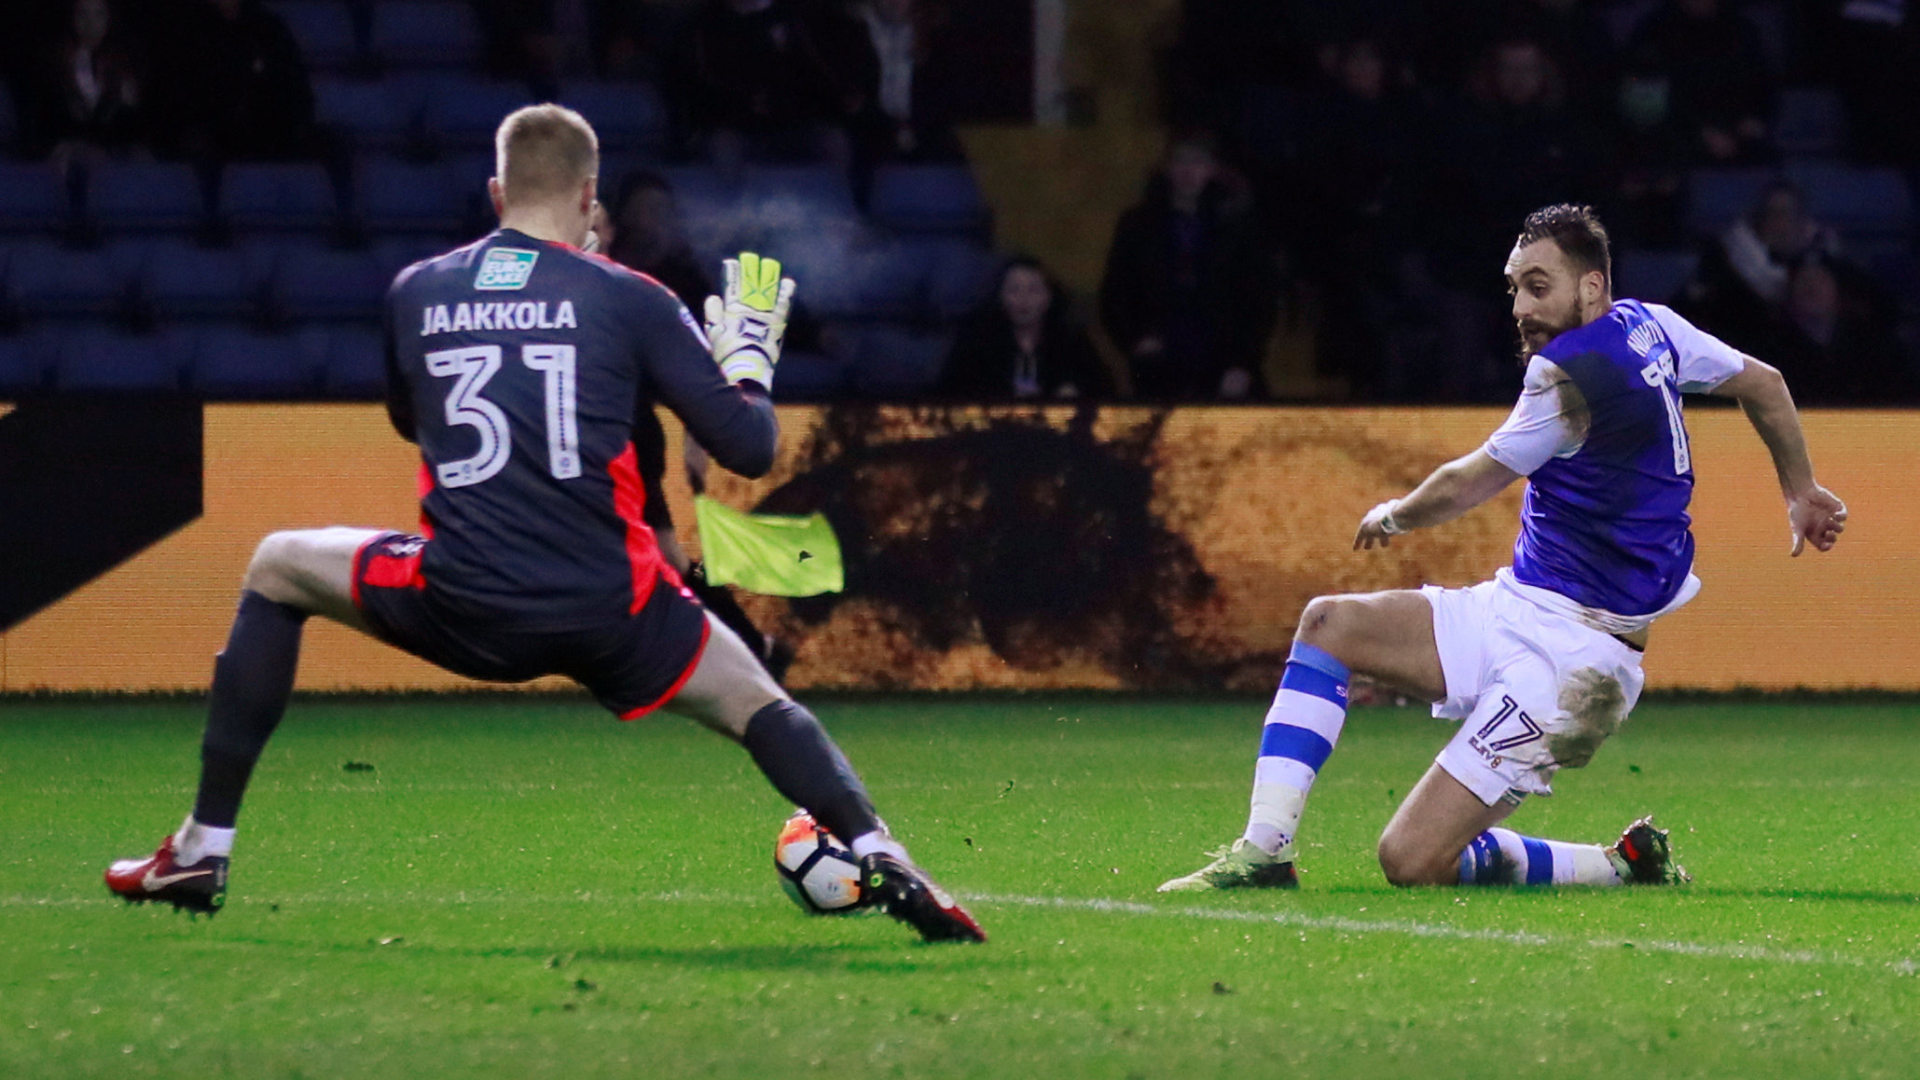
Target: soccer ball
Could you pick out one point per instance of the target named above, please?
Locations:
(815, 869)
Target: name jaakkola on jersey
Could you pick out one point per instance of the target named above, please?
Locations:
(507, 315)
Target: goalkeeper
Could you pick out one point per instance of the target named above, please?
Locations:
(517, 363)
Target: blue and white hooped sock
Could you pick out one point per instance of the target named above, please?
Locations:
(1302, 725)
(1504, 857)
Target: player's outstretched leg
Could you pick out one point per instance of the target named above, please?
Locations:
(1444, 835)
(291, 575)
(1642, 856)
(1385, 634)
(731, 693)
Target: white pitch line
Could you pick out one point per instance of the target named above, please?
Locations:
(1342, 924)
(1291, 919)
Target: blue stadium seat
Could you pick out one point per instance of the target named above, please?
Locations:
(397, 196)
(1655, 276)
(1862, 202)
(928, 198)
(626, 115)
(26, 363)
(1717, 196)
(320, 283)
(372, 114)
(141, 195)
(961, 275)
(805, 199)
(97, 357)
(899, 362)
(289, 196)
(426, 33)
(356, 365)
(44, 279)
(180, 280)
(838, 280)
(711, 205)
(323, 30)
(235, 362)
(393, 254)
(1810, 120)
(33, 198)
(466, 110)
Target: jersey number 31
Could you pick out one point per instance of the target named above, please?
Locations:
(472, 368)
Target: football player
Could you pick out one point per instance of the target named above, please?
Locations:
(518, 363)
(1542, 663)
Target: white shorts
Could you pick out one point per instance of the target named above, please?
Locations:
(1537, 690)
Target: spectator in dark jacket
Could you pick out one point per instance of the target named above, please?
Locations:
(91, 87)
(1705, 64)
(1188, 293)
(1021, 345)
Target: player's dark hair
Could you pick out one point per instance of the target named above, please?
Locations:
(1577, 231)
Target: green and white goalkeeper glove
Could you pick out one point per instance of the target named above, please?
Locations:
(746, 324)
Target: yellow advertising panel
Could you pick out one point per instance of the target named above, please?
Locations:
(1128, 548)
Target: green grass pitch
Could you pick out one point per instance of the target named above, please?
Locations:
(521, 888)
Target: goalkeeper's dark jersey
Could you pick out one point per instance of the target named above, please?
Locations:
(518, 366)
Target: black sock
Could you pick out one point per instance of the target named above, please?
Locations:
(798, 756)
(719, 600)
(252, 680)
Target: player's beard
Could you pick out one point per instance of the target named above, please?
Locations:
(1536, 333)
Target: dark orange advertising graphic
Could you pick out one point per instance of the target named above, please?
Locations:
(1045, 549)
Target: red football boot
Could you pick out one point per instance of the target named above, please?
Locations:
(200, 888)
(905, 892)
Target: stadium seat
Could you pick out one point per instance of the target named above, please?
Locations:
(97, 357)
(398, 196)
(847, 281)
(961, 275)
(798, 198)
(928, 198)
(893, 362)
(323, 30)
(464, 111)
(1862, 202)
(1810, 120)
(33, 198)
(289, 196)
(394, 254)
(1651, 275)
(1717, 196)
(356, 367)
(626, 115)
(426, 33)
(311, 282)
(378, 115)
(26, 363)
(132, 196)
(711, 202)
(176, 279)
(234, 362)
(46, 280)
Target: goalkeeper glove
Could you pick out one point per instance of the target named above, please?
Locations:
(746, 323)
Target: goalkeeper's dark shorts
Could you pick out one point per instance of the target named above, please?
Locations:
(632, 665)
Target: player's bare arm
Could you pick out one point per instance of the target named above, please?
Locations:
(1451, 490)
(1814, 514)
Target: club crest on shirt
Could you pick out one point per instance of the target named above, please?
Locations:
(505, 269)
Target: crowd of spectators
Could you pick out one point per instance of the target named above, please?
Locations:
(1368, 161)
(1394, 145)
